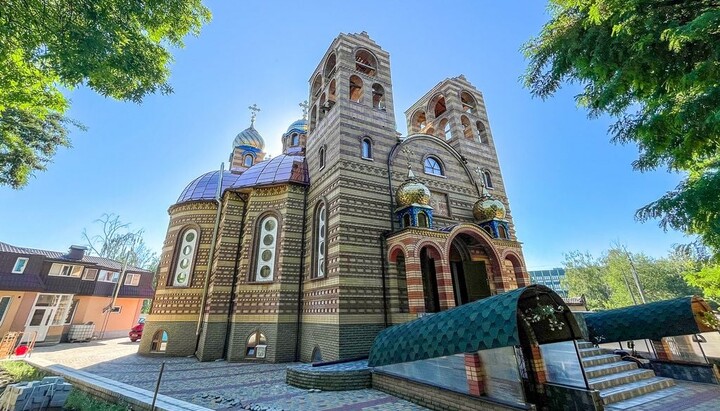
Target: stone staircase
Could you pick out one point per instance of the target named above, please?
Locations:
(618, 380)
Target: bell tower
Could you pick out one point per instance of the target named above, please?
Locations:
(351, 130)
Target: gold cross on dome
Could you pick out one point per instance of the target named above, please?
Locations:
(408, 153)
(304, 106)
(254, 109)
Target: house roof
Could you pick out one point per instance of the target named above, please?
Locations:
(56, 255)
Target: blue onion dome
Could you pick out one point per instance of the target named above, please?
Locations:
(299, 126)
(249, 137)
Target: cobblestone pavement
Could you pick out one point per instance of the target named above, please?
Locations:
(215, 385)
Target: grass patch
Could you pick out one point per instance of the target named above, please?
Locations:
(82, 401)
(22, 371)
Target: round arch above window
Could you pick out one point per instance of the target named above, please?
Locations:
(267, 241)
(437, 105)
(159, 342)
(432, 165)
(186, 244)
(248, 160)
(255, 345)
(316, 85)
(366, 149)
(418, 122)
(482, 131)
(356, 89)
(330, 64)
(468, 103)
(321, 223)
(365, 62)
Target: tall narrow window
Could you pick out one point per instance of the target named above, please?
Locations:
(482, 131)
(356, 89)
(488, 179)
(322, 157)
(313, 118)
(186, 254)
(423, 220)
(407, 222)
(330, 66)
(321, 242)
(248, 161)
(437, 105)
(267, 246)
(467, 128)
(4, 305)
(445, 127)
(378, 96)
(331, 93)
(317, 85)
(323, 108)
(366, 148)
(432, 166)
(295, 140)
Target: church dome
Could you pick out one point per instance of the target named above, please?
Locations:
(205, 187)
(488, 208)
(299, 126)
(249, 137)
(412, 191)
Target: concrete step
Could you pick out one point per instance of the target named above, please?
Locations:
(634, 389)
(584, 344)
(600, 359)
(620, 378)
(589, 352)
(611, 368)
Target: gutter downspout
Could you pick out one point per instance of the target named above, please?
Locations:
(383, 236)
(301, 277)
(231, 306)
(206, 286)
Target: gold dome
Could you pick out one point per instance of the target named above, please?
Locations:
(412, 191)
(488, 209)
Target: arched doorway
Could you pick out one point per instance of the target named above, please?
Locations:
(428, 257)
(469, 268)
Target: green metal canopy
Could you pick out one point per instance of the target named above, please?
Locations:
(483, 324)
(652, 321)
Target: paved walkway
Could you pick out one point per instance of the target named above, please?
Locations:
(218, 385)
(234, 386)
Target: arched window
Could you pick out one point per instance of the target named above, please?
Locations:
(378, 93)
(316, 85)
(467, 128)
(322, 157)
(482, 131)
(313, 118)
(406, 220)
(488, 230)
(365, 62)
(419, 121)
(445, 127)
(185, 258)
(366, 148)
(423, 220)
(437, 105)
(266, 246)
(356, 86)
(332, 93)
(330, 66)
(251, 347)
(159, 342)
(502, 231)
(321, 240)
(248, 160)
(295, 139)
(468, 103)
(316, 355)
(323, 108)
(432, 166)
(488, 179)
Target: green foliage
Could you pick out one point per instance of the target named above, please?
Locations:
(22, 371)
(655, 66)
(82, 401)
(607, 281)
(117, 242)
(703, 269)
(120, 49)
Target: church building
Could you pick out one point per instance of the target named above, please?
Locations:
(308, 255)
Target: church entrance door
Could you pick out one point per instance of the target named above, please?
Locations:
(470, 279)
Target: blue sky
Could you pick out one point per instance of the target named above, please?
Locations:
(569, 188)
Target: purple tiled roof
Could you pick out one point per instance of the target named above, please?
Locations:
(55, 255)
(281, 169)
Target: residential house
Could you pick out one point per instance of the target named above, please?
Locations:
(48, 291)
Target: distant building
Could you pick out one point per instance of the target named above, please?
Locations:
(49, 291)
(550, 278)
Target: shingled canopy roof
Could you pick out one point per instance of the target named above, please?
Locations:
(680, 316)
(481, 325)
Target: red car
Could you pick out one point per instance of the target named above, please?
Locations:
(136, 332)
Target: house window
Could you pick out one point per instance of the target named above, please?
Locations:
(321, 242)
(266, 246)
(20, 265)
(366, 148)
(132, 279)
(185, 256)
(4, 305)
(90, 274)
(248, 161)
(64, 270)
(63, 303)
(432, 166)
(71, 312)
(255, 346)
(487, 179)
(322, 157)
(107, 276)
